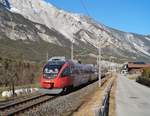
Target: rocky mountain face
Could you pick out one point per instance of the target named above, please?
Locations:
(37, 20)
(20, 37)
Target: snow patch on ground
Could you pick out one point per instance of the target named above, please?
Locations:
(19, 92)
(140, 48)
(13, 9)
(147, 38)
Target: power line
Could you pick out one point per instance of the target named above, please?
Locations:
(99, 47)
(85, 8)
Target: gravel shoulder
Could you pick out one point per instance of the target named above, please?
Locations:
(76, 103)
(112, 104)
(91, 102)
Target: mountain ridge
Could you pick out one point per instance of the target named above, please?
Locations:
(83, 30)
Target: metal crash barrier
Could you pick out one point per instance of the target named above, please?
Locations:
(105, 101)
(103, 109)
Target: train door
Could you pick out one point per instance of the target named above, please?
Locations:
(76, 76)
(66, 77)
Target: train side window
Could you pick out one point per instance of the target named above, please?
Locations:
(78, 71)
(66, 72)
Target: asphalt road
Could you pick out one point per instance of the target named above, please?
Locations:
(132, 99)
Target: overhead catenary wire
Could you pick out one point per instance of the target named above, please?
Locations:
(85, 8)
(98, 47)
(52, 26)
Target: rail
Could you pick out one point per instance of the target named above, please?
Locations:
(104, 107)
(25, 104)
(105, 101)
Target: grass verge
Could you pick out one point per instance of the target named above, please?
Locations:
(112, 104)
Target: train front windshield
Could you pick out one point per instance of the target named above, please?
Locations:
(51, 71)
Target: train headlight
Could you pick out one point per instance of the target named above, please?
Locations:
(47, 76)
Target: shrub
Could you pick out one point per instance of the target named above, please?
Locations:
(145, 78)
(146, 72)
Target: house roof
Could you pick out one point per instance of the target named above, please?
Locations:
(131, 65)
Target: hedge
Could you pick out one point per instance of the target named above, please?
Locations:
(145, 77)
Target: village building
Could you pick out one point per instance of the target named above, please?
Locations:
(134, 67)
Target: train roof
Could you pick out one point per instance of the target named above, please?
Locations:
(55, 63)
(57, 58)
(139, 62)
(62, 60)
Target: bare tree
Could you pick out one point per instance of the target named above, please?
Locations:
(13, 76)
(10, 74)
(17, 72)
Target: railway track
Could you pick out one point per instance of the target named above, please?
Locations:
(25, 104)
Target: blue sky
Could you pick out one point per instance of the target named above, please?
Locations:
(125, 15)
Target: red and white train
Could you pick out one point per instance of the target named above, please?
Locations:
(65, 74)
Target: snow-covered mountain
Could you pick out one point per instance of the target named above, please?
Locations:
(82, 29)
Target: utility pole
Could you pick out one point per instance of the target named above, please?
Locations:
(46, 56)
(99, 60)
(72, 41)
